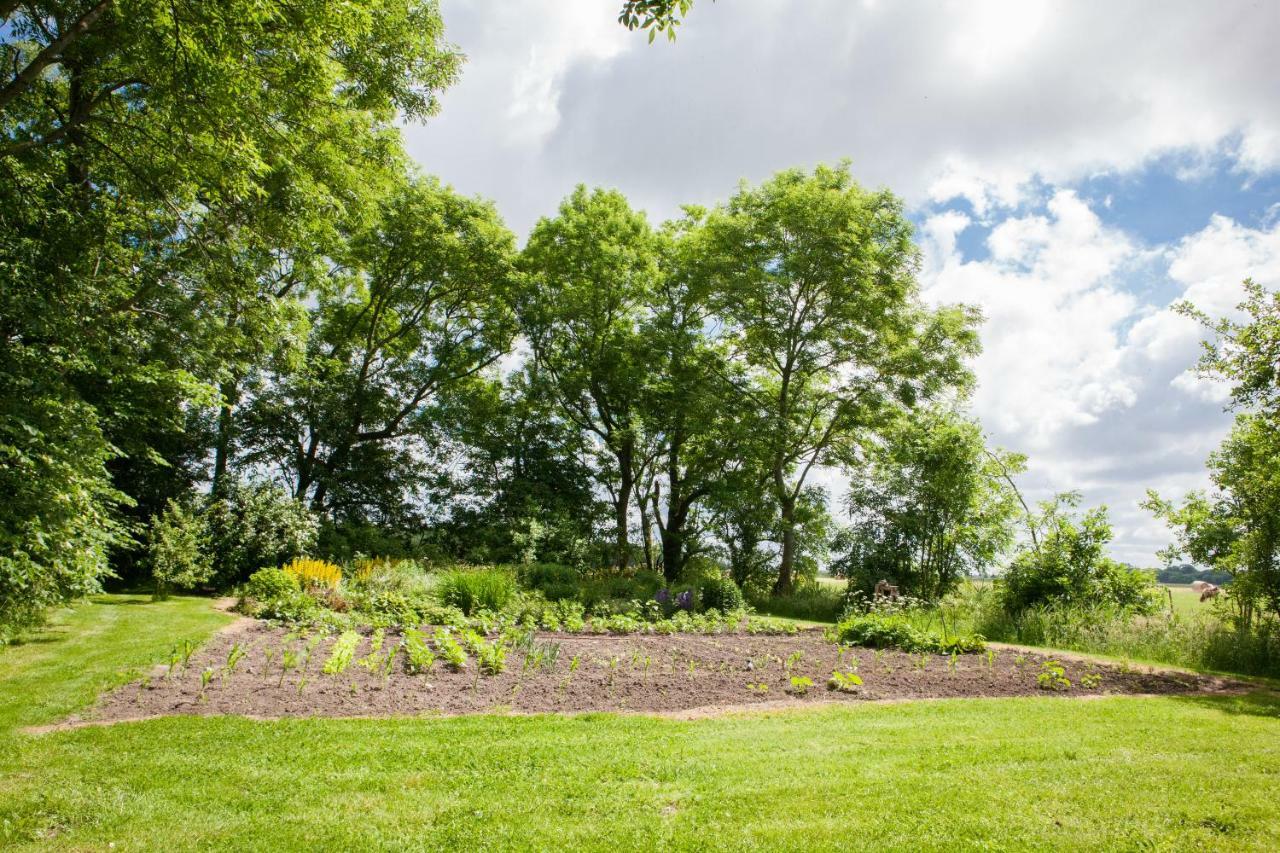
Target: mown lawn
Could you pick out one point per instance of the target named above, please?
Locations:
(999, 774)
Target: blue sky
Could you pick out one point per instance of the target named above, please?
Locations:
(1073, 169)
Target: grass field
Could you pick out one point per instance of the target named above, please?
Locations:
(998, 774)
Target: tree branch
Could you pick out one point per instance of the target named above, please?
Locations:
(51, 53)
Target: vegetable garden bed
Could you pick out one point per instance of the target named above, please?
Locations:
(256, 669)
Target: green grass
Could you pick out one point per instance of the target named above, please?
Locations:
(1000, 774)
(1186, 601)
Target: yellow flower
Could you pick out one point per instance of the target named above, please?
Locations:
(314, 574)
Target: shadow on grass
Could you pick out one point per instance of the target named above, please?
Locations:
(121, 602)
(44, 638)
(1259, 703)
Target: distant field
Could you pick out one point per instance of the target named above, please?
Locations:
(1185, 600)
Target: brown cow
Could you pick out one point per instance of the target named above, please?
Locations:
(1207, 590)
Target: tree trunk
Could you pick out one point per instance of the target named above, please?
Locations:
(784, 585)
(673, 548)
(622, 506)
(646, 534)
(230, 393)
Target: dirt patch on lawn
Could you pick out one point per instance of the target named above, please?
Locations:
(682, 675)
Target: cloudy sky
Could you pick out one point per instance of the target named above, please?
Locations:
(1073, 168)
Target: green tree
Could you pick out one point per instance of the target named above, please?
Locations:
(524, 491)
(178, 550)
(687, 405)
(1235, 526)
(818, 296)
(1066, 563)
(930, 505)
(591, 271)
(418, 307)
(159, 162)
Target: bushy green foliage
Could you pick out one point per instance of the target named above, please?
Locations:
(610, 590)
(553, 580)
(178, 550)
(1068, 565)
(814, 601)
(57, 519)
(255, 525)
(270, 583)
(388, 608)
(895, 630)
(293, 608)
(931, 505)
(471, 590)
(719, 593)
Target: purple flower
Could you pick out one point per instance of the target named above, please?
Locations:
(662, 596)
(685, 600)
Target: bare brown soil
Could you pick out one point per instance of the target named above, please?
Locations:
(684, 675)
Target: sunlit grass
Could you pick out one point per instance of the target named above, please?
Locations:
(1004, 774)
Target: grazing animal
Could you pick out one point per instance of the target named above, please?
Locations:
(1207, 590)
(884, 589)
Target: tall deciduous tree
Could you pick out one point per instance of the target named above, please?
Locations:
(688, 409)
(1235, 527)
(421, 304)
(818, 293)
(930, 505)
(591, 271)
(137, 139)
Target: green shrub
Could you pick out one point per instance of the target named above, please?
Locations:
(720, 593)
(295, 608)
(177, 550)
(613, 591)
(1068, 565)
(256, 525)
(471, 590)
(270, 583)
(882, 631)
(553, 580)
(388, 608)
(817, 603)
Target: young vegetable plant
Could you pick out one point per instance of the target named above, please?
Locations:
(205, 677)
(1052, 676)
(289, 660)
(800, 684)
(492, 658)
(388, 664)
(342, 653)
(450, 651)
(312, 645)
(845, 682)
(418, 652)
(373, 660)
(1091, 681)
(574, 663)
(234, 656)
(758, 687)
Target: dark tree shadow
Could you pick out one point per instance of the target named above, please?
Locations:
(1258, 703)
